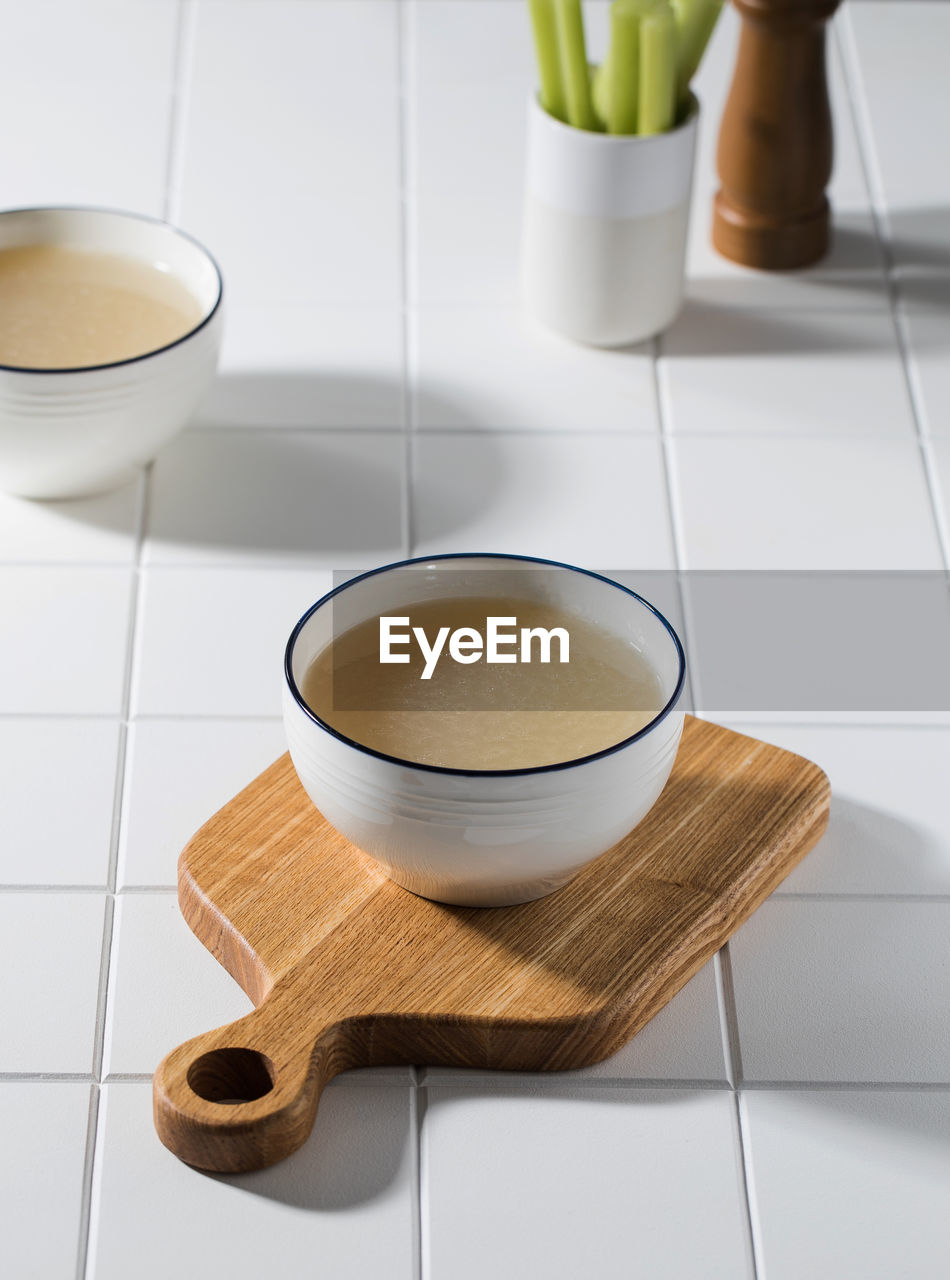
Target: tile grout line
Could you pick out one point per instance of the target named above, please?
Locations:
(150, 717)
(732, 1056)
(423, 1261)
(728, 1023)
(677, 532)
(867, 152)
(183, 32)
(181, 91)
(725, 996)
(522, 1083)
(417, 1097)
(752, 1216)
(407, 258)
(265, 429)
(85, 1205)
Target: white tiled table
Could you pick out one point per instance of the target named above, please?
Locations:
(356, 166)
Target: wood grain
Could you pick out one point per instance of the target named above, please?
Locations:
(775, 140)
(348, 970)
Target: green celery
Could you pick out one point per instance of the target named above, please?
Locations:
(575, 73)
(549, 60)
(695, 20)
(598, 93)
(657, 89)
(619, 82)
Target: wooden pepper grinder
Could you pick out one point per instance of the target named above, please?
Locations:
(775, 141)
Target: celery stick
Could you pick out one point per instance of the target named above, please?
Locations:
(695, 20)
(575, 73)
(598, 93)
(622, 74)
(657, 96)
(549, 62)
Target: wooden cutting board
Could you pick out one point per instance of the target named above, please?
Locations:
(347, 970)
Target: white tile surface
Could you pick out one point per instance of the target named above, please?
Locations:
(582, 1183)
(41, 1168)
(467, 140)
(82, 530)
(902, 82)
(804, 504)
(63, 634)
(86, 143)
(303, 366)
(850, 1184)
(49, 980)
(329, 499)
(164, 986)
(97, 41)
(308, 248)
(211, 642)
(585, 499)
(277, 40)
(89, 86)
(472, 72)
(843, 991)
(341, 1206)
(889, 830)
(683, 1042)
(59, 781)
(179, 773)
(798, 373)
(490, 367)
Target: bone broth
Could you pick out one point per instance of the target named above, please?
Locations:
(438, 698)
(63, 308)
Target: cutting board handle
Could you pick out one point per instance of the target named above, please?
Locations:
(245, 1096)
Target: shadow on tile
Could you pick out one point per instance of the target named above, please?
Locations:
(852, 268)
(333, 492)
(917, 239)
(353, 1155)
(866, 1116)
(706, 328)
(881, 851)
(305, 397)
(842, 992)
(920, 237)
(922, 289)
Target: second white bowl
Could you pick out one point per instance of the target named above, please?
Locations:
(69, 432)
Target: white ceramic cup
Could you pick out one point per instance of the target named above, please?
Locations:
(490, 837)
(605, 226)
(69, 432)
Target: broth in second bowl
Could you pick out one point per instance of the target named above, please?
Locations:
(65, 308)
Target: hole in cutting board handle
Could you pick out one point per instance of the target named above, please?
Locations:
(232, 1076)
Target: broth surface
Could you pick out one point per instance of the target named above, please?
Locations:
(484, 716)
(63, 308)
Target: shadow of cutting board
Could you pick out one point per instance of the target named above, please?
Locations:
(347, 970)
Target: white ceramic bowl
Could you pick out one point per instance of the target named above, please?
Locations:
(69, 432)
(486, 838)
